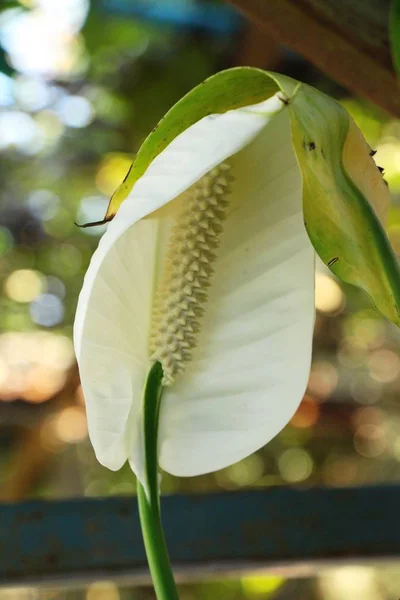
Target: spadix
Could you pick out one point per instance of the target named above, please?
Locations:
(187, 271)
(208, 268)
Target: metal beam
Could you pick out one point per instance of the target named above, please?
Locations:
(278, 528)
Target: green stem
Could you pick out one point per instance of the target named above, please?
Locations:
(148, 499)
(156, 549)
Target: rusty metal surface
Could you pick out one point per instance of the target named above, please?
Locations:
(281, 528)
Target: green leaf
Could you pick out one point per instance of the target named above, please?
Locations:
(342, 192)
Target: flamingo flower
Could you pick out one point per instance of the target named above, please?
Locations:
(207, 270)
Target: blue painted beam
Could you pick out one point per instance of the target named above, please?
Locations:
(209, 16)
(88, 539)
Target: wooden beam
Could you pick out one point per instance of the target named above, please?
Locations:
(345, 39)
(284, 530)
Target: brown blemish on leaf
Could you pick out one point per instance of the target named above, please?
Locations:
(95, 223)
(360, 167)
(283, 99)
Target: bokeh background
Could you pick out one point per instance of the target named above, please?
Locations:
(80, 87)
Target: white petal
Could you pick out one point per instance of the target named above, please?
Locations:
(196, 151)
(112, 320)
(250, 368)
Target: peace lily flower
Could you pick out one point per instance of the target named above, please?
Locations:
(208, 269)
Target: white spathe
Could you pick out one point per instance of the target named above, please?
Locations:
(251, 363)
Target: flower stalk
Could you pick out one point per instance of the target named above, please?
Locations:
(148, 499)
